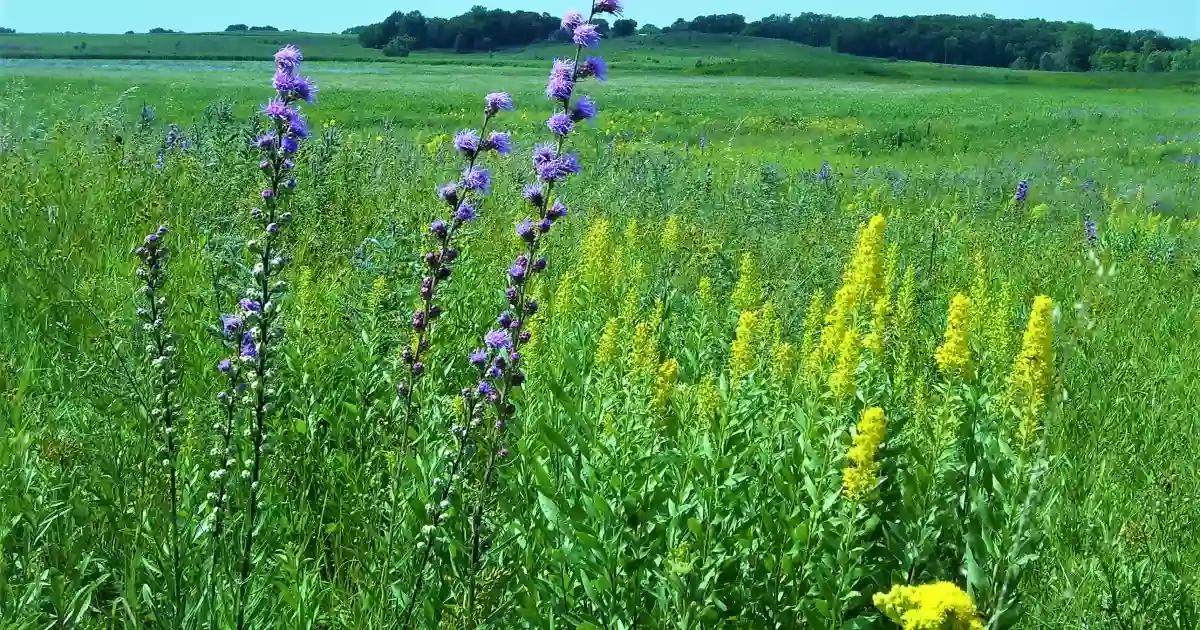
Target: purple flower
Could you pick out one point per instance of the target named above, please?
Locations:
(277, 109)
(562, 80)
(594, 67)
(544, 225)
(539, 264)
(479, 358)
(572, 20)
(249, 350)
(500, 142)
(297, 126)
(497, 339)
(225, 366)
(518, 270)
(557, 211)
(437, 228)
(560, 124)
(288, 58)
(825, 172)
(608, 6)
(511, 294)
(230, 324)
(558, 168)
(534, 195)
(486, 389)
(586, 35)
(544, 153)
(448, 193)
(1022, 191)
(266, 141)
(584, 109)
(497, 102)
(467, 141)
(1089, 227)
(505, 319)
(465, 212)
(290, 144)
(418, 320)
(525, 230)
(305, 89)
(477, 179)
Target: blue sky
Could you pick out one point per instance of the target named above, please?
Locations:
(1173, 17)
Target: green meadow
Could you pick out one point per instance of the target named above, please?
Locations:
(716, 322)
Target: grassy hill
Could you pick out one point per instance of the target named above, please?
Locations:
(686, 53)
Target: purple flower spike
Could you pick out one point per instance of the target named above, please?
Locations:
(572, 20)
(561, 83)
(290, 144)
(496, 102)
(586, 35)
(465, 212)
(560, 124)
(467, 141)
(594, 67)
(500, 142)
(497, 339)
(297, 126)
(477, 179)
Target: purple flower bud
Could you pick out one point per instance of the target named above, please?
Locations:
(500, 424)
(426, 288)
(586, 35)
(496, 102)
(503, 453)
(225, 366)
(525, 230)
(467, 141)
(256, 213)
(557, 211)
(272, 228)
(494, 372)
(230, 324)
(277, 109)
(448, 193)
(418, 321)
(515, 325)
(505, 319)
(531, 307)
(561, 83)
(500, 142)
(162, 230)
(407, 355)
(465, 213)
(560, 124)
(539, 264)
(511, 294)
(525, 336)
(249, 305)
(443, 273)
(583, 109)
(266, 141)
(478, 358)
(249, 349)
(450, 255)
(288, 59)
(268, 194)
(290, 183)
(438, 228)
(544, 225)
(608, 6)
(485, 388)
(265, 165)
(290, 144)
(594, 67)
(151, 239)
(418, 369)
(435, 312)
(534, 195)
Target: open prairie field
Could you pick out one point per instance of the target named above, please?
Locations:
(801, 352)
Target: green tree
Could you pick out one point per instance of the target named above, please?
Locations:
(624, 28)
(236, 28)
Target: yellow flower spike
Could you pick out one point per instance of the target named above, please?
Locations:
(705, 293)
(770, 326)
(564, 299)
(643, 358)
(812, 327)
(954, 355)
(742, 356)
(671, 234)
(937, 606)
(378, 293)
(844, 380)
(664, 386)
(596, 252)
(862, 472)
(1030, 376)
(708, 399)
(606, 350)
(996, 330)
(783, 361)
(747, 293)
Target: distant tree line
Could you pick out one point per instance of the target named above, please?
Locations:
(242, 28)
(6, 31)
(981, 40)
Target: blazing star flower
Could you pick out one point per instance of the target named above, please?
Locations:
(572, 20)
(584, 109)
(525, 230)
(465, 213)
(288, 59)
(500, 142)
(277, 109)
(560, 124)
(562, 81)
(586, 35)
(496, 102)
(467, 141)
(497, 339)
(594, 67)
(608, 6)
(477, 179)
(534, 195)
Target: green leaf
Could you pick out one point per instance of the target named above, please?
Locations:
(549, 509)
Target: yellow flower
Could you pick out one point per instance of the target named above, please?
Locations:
(671, 234)
(861, 284)
(643, 358)
(937, 606)
(377, 294)
(742, 357)
(596, 254)
(770, 327)
(664, 385)
(708, 399)
(783, 359)
(954, 354)
(564, 298)
(747, 293)
(997, 337)
(812, 328)
(874, 340)
(1031, 370)
(705, 293)
(606, 350)
(843, 380)
(862, 472)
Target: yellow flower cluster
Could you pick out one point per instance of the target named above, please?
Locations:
(747, 293)
(705, 293)
(783, 359)
(643, 358)
(597, 254)
(708, 400)
(861, 284)
(664, 386)
(812, 330)
(672, 234)
(876, 339)
(954, 355)
(742, 357)
(606, 350)
(862, 472)
(937, 606)
(564, 299)
(844, 379)
(377, 295)
(1031, 370)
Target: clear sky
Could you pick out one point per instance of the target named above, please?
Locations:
(1173, 17)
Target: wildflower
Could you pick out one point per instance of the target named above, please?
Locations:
(476, 179)
(954, 354)
(496, 102)
(1089, 228)
(843, 380)
(664, 385)
(608, 6)
(465, 213)
(606, 350)
(594, 67)
(996, 330)
(277, 109)
(572, 20)
(561, 83)
(288, 59)
(560, 124)
(1022, 191)
(937, 606)
(498, 339)
(586, 35)
(708, 399)
(742, 355)
(812, 329)
(644, 355)
(825, 173)
(704, 292)
(1030, 376)
(500, 142)
(669, 241)
(874, 340)
(862, 472)
(783, 359)
(583, 109)
(747, 293)
(467, 141)
(861, 283)
(596, 252)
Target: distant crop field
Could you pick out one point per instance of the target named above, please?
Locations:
(809, 349)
